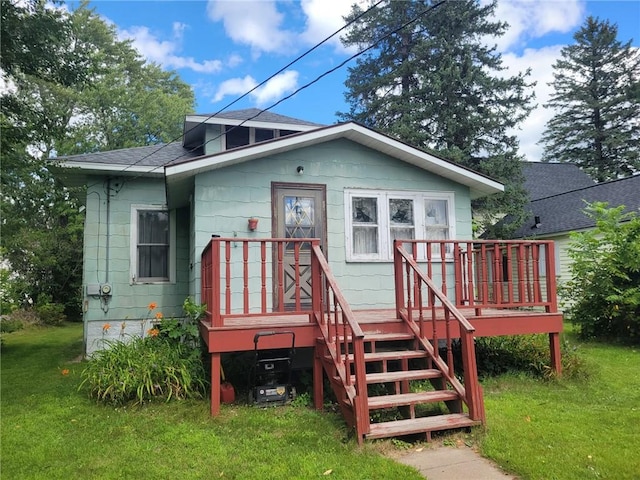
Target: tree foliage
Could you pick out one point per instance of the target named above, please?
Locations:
(435, 84)
(72, 87)
(597, 95)
(605, 275)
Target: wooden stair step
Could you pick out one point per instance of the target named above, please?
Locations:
(420, 425)
(390, 401)
(394, 355)
(401, 375)
(387, 337)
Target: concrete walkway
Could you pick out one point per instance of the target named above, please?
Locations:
(449, 463)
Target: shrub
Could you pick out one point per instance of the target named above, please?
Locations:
(50, 313)
(605, 276)
(164, 365)
(8, 324)
(141, 370)
(523, 354)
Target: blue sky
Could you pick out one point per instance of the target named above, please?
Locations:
(224, 48)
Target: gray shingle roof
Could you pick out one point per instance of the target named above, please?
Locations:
(546, 179)
(149, 156)
(565, 212)
(259, 116)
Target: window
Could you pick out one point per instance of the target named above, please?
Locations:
(152, 241)
(238, 136)
(374, 219)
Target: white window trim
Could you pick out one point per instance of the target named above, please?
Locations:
(252, 134)
(133, 242)
(385, 246)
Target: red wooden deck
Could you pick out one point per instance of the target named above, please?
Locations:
(496, 288)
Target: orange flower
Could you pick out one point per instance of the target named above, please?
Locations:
(65, 372)
(159, 316)
(106, 327)
(152, 306)
(153, 332)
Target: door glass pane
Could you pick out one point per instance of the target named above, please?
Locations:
(299, 219)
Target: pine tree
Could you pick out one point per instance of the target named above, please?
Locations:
(436, 85)
(597, 96)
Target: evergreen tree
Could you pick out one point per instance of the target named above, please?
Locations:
(597, 97)
(436, 85)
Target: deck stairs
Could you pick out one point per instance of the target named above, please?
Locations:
(406, 390)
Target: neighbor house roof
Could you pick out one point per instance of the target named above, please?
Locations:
(565, 212)
(543, 180)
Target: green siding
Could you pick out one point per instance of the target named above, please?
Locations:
(226, 198)
(128, 303)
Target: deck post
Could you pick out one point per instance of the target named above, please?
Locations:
(215, 384)
(399, 279)
(554, 348)
(318, 387)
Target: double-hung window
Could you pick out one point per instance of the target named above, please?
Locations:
(374, 219)
(152, 244)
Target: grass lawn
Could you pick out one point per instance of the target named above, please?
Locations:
(50, 430)
(569, 429)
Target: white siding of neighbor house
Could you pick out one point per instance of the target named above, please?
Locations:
(126, 309)
(225, 198)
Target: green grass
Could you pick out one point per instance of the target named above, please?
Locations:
(565, 429)
(50, 430)
(578, 429)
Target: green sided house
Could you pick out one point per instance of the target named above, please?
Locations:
(357, 243)
(559, 193)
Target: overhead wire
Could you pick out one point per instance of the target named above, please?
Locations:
(282, 69)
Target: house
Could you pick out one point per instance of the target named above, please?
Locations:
(559, 193)
(358, 243)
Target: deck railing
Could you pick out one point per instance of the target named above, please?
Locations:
(490, 274)
(245, 277)
(343, 336)
(422, 304)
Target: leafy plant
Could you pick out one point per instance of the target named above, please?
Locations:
(50, 313)
(8, 325)
(605, 275)
(141, 370)
(165, 364)
(523, 353)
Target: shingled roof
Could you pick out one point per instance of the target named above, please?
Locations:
(565, 212)
(543, 180)
(259, 116)
(149, 156)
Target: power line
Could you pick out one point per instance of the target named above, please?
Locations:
(318, 78)
(297, 59)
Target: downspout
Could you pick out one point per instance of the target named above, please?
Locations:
(108, 244)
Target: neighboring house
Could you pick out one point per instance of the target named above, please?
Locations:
(559, 194)
(152, 210)
(281, 225)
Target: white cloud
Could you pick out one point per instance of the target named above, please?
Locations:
(541, 62)
(277, 87)
(255, 23)
(323, 18)
(534, 19)
(165, 52)
(272, 91)
(234, 86)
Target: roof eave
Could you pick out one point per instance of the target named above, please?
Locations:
(478, 184)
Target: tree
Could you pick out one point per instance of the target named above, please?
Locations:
(74, 88)
(435, 85)
(605, 275)
(596, 95)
